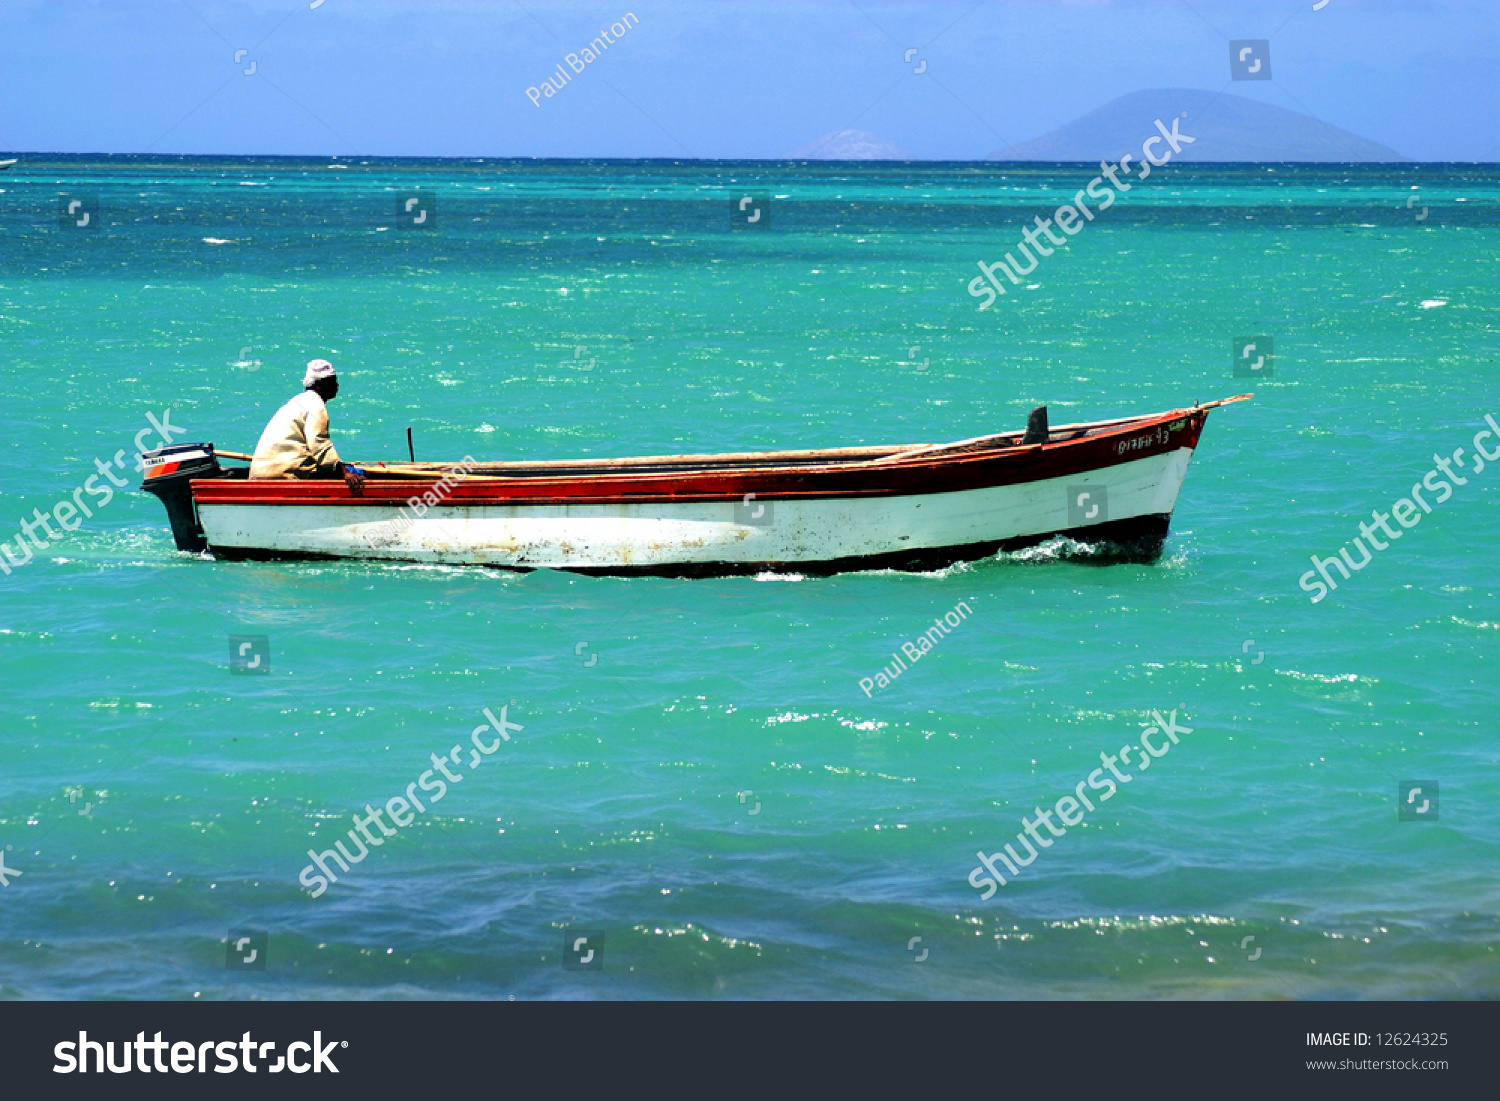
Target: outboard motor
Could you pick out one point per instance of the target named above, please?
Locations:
(168, 471)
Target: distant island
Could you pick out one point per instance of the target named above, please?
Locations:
(850, 145)
(1227, 128)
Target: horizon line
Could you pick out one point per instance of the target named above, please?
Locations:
(366, 157)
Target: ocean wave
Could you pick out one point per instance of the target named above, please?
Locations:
(1327, 678)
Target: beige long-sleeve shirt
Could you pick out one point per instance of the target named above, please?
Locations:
(295, 444)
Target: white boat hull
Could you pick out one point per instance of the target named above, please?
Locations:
(672, 536)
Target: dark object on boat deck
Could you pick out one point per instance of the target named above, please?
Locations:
(409, 452)
(1036, 426)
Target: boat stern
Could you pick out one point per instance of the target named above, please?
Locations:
(168, 474)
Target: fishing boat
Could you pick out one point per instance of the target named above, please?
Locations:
(7, 164)
(1110, 486)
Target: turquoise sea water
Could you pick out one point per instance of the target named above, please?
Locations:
(699, 775)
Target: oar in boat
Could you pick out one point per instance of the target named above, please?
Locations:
(400, 470)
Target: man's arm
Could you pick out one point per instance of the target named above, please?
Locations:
(326, 457)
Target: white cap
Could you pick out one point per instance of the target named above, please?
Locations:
(317, 369)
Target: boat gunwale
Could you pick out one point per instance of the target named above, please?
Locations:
(807, 461)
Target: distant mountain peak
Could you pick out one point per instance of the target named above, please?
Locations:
(1226, 128)
(850, 145)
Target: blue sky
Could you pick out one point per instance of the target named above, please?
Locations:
(712, 78)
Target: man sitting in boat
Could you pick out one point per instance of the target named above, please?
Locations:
(296, 445)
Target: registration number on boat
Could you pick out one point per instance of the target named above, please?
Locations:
(1136, 443)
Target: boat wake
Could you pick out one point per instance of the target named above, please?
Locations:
(1066, 549)
(1059, 549)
